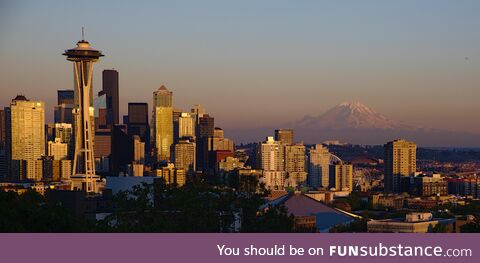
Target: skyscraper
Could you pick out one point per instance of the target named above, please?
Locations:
(57, 149)
(272, 156)
(63, 110)
(185, 156)
(204, 130)
(138, 121)
(341, 176)
(186, 126)
(64, 132)
(163, 123)
(285, 136)
(318, 166)
(25, 138)
(2, 129)
(83, 57)
(197, 112)
(400, 160)
(65, 97)
(110, 89)
(295, 163)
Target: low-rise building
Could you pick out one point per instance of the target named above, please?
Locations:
(412, 223)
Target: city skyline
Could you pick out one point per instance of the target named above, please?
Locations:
(327, 58)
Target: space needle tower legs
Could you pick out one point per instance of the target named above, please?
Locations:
(83, 174)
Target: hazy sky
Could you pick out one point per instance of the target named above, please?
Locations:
(253, 63)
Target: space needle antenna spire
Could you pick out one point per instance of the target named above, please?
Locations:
(83, 34)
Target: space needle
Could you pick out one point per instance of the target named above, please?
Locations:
(83, 175)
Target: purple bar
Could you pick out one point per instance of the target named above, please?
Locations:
(137, 248)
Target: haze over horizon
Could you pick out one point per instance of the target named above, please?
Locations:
(254, 64)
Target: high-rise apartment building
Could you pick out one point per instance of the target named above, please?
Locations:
(163, 122)
(318, 166)
(295, 163)
(25, 138)
(272, 156)
(341, 176)
(111, 90)
(400, 161)
(57, 149)
(285, 136)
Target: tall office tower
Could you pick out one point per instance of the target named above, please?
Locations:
(121, 151)
(318, 166)
(2, 129)
(101, 111)
(63, 109)
(25, 138)
(3, 165)
(63, 113)
(64, 132)
(273, 163)
(138, 121)
(285, 136)
(138, 150)
(400, 160)
(204, 130)
(197, 112)
(186, 126)
(163, 123)
(103, 144)
(295, 163)
(49, 132)
(176, 117)
(57, 149)
(110, 89)
(219, 143)
(341, 176)
(65, 96)
(83, 57)
(185, 156)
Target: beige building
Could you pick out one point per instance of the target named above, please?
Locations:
(219, 143)
(413, 223)
(138, 150)
(341, 176)
(319, 166)
(230, 164)
(272, 160)
(186, 125)
(25, 138)
(400, 161)
(58, 150)
(284, 136)
(185, 156)
(172, 175)
(295, 163)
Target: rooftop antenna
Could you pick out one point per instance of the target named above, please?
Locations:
(83, 34)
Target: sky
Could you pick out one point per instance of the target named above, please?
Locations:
(258, 62)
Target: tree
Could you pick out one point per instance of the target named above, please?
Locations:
(29, 212)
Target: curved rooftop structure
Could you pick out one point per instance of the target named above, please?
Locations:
(83, 51)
